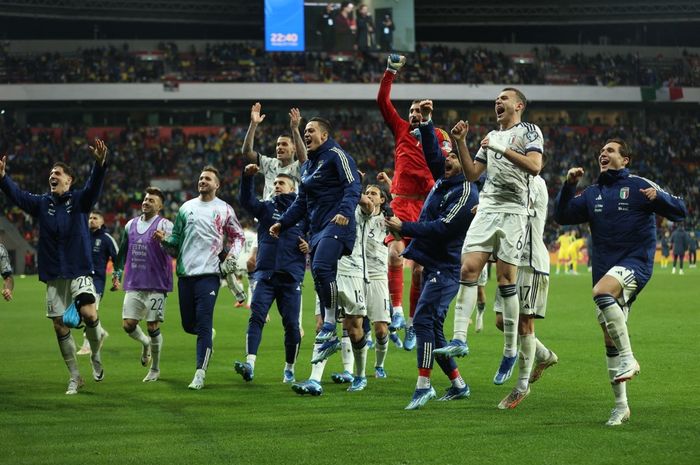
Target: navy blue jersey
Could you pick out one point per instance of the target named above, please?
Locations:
(330, 185)
(64, 236)
(680, 240)
(622, 220)
(104, 247)
(274, 255)
(439, 233)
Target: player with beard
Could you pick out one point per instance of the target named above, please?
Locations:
(411, 184)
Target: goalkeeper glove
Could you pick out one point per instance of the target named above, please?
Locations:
(395, 62)
(228, 266)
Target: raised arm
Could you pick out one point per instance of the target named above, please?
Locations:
(23, 199)
(569, 208)
(431, 147)
(299, 145)
(387, 109)
(248, 199)
(90, 193)
(472, 168)
(255, 119)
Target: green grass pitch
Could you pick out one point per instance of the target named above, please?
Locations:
(124, 421)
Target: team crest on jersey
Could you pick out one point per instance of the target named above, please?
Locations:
(624, 193)
(531, 135)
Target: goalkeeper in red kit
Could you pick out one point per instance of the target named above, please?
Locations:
(411, 184)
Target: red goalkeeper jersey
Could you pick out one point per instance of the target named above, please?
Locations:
(411, 173)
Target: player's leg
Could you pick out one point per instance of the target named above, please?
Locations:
(610, 294)
(681, 256)
(134, 309)
(313, 384)
(250, 268)
(288, 298)
(262, 300)
(621, 412)
(544, 357)
(481, 299)
(58, 298)
(395, 279)
(378, 311)
(324, 266)
(205, 291)
(675, 261)
(353, 325)
(409, 341)
(84, 294)
(154, 317)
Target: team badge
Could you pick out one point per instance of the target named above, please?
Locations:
(624, 193)
(531, 135)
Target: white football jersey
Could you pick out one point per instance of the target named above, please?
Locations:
(270, 167)
(369, 255)
(506, 187)
(251, 241)
(535, 253)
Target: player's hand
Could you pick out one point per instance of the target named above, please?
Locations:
(7, 294)
(395, 62)
(574, 175)
(251, 170)
(497, 147)
(384, 178)
(275, 230)
(362, 174)
(650, 193)
(474, 209)
(255, 116)
(426, 109)
(294, 119)
(340, 220)
(393, 224)
(460, 130)
(304, 246)
(228, 266)
(159, 235)
(99, 151)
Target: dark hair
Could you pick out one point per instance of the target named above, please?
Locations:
(97, 212)
(418, 100)
(385, 208)
(520, 95)
(286, 176)
(157, 192)
(66, 169)
(324, 123)
(211, 169)
(624, 148)
(288, 136)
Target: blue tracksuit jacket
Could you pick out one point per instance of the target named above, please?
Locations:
(330, 185)
(274, 255)
(622, 220)
(439, 233)
(64, 236)
(103, 248)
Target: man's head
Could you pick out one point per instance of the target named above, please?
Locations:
(152, 202)
(96, 220)
(60, 178)
(285, 148)
(208, 182)
(414, 116)
(614, 155)
(346, 7)
(362, 9)
(284, 184)
(452, 165)
(510, 105)
(376, 194)
(317, 132)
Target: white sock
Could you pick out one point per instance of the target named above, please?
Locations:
(93, 334)
(541, 351)
(620, 389)
(464, 307)
(67, 346)
(615, 323)
(458, 382)
(289, 366)
(511, 311)
(329, 316)
(359, 351)
(346, 355)
(423, 382)
(380, 350)
(526, 359)
(156, 346)
(139, 336)
(409, 322)
(397, 309)
(317, 368)
(250, 358)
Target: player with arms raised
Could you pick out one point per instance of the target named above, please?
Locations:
(411, 184)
